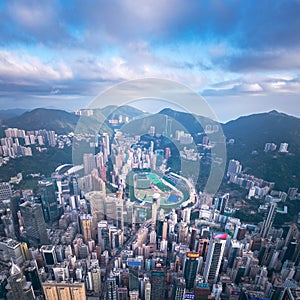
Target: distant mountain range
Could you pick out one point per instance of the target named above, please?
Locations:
(10, 113)
(250, 133)
(64, 122)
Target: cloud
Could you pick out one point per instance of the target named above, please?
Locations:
(14, 66)
(262, 85)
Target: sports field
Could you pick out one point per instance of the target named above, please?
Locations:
(146, 184)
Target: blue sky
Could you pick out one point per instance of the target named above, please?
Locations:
(243, 57)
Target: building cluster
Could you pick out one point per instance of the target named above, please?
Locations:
(83, 237)
(18, 142)
(270, 147)
(256, 186)
(132, 153)
(184, 138)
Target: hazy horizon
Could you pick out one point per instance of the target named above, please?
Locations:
(64, 54)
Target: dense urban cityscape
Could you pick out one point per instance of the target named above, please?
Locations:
(122, 225)
(149, 150)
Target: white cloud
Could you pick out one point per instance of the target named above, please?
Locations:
(16, 67)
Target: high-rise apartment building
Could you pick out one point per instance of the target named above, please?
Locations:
(178, 289)
(234, 167)
(5, 191)
(89, 163)
(111, 291)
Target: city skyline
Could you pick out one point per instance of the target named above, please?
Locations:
(149, 150)
(236, 55)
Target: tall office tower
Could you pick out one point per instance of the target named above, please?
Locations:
(178, 289)
(18, 287)
(193, 239)
(14, 208)
(235, 248)
(268, 222)
(111, 291)
(31, 273)
(5, 191)
(293, 233)
(119, 214)
(103, 235)
(64, 290)
(190, 269)
(158, 283)
(165, 230)
(214, 257)
(133, 275)
(34, 223)
(147, 291)
(49, 255)
(89, 163)
(221, 202)
(74, 189)
(183, 232)
(155, 206)
(234, 167)
(86, 227)
(49, 200)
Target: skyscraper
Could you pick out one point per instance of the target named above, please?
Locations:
(178, 289)
(221, 202)
(214, 258)
(18, 287)
(49, 255)
(34, 223)
(190, 269)
(111, 288)
(97, 202)
(268, 222)
(89, 163)
(147, 290)
(155, 206)
(86, 222)
(49, 200)
(158, 283)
